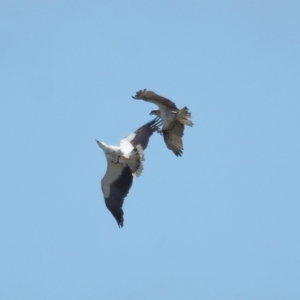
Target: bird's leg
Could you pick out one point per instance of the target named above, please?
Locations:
(122, 160)
(112, 158)
(159, 131)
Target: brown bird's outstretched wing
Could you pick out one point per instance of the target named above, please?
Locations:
(173, 137)
(154, 98)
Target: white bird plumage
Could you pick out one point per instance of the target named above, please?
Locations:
(123, 163)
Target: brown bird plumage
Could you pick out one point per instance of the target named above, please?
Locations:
(173, 119)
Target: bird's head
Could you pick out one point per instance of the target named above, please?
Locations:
(155, 113)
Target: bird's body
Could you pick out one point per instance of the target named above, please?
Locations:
(123, 163)
(167, 116)
(173, 119)
(125, 154)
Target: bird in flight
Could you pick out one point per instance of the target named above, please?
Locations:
(123, 163)
(173, 119)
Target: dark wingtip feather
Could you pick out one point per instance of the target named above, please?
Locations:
(137, 95)
(179, 153)
(120, 223)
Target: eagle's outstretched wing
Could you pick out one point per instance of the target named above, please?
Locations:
(141, 136)
(173, 137)
(115, 185)
(154, 98)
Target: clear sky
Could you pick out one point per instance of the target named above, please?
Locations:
(222, 221)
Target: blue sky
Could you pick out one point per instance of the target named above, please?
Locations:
(222, 221)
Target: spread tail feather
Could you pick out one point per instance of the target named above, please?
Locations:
(184, 116)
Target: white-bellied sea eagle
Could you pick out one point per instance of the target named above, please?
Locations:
(173, 119)
(123, 163)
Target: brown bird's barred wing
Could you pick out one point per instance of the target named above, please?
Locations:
(173, 138)
(154, 98)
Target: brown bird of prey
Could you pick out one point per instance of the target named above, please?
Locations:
(123, 163)
(173, 119)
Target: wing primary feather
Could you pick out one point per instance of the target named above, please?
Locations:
(142, 135)
(154, 98)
